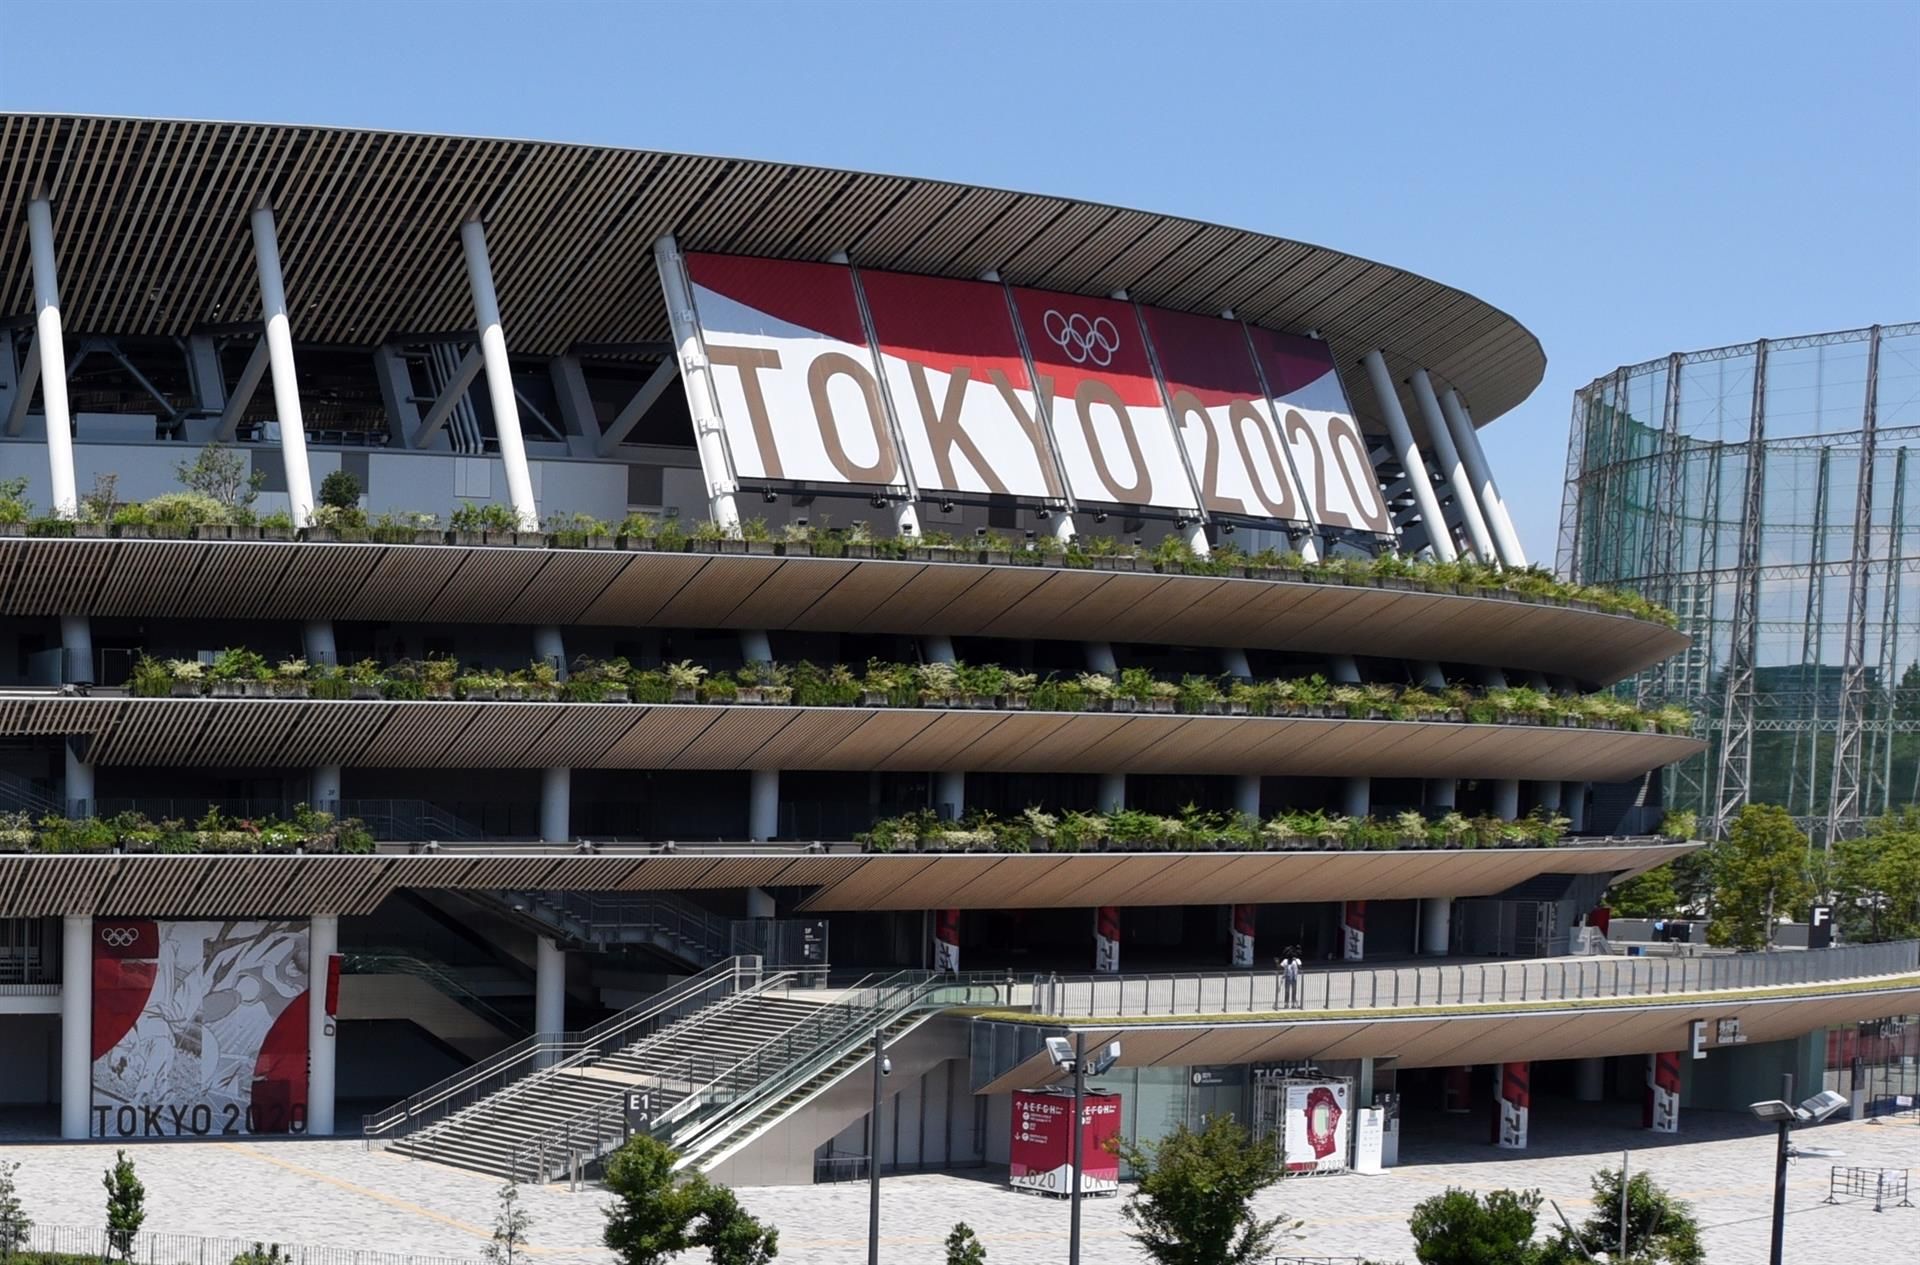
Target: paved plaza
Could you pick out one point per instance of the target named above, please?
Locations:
(335, 1193)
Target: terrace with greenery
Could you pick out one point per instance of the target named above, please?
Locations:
(304, 831)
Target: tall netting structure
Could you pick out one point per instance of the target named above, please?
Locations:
(1769, 493)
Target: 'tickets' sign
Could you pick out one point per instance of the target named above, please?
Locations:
(1041, 1153)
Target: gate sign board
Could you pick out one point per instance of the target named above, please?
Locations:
(199, 1028)
(1041, 1151)
(960, 387)
(1329, 455)
(1223, 416)
(799, 400)
(1109, 419)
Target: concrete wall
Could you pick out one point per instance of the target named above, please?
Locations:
(1729, 1079)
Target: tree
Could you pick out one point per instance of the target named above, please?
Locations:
(14, 1222)
(963, 1248)
(510, 1226)
(1654, 894)
(1876, 880)
(126, 1204)
(1193, 1205)
(658, 1213)
(226, 476)
(1761, 872)
(1461, 1228)
(340, 490)
(1660, 1229)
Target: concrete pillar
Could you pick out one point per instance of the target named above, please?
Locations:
(1195, 535)
(1233, 662)
(316, 639)
(76, 1026)
(79, 781)
(550, 647)
(1506, 799)
(1442, 794)
(286, 387)
(1512, 1104)
(1589, 1080)
(1356, 796)
(549, 988)
(1343, 669)
(1063, 529)
(1506, 541)
(1436, 925)
(1439, 535)
(1576, 806)
(1455, 470)
(493, 354)
(708, 432)
(763, 805)
(755, 647)
(1246, 795)
(556, 805)
(53, 359)
(1100, 658)
(326, 787)
(323, 942)
(938, 649)
(1113, 792)
(76, 638)
(760, 903)
(1549, 796)
(950, 794)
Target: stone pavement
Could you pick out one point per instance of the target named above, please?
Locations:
(334, 1193)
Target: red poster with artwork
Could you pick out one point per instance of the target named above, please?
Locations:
(1041, 1154)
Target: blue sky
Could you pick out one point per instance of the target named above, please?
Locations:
(1625, 179)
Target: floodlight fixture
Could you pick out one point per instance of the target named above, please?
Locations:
(1773, 1111)
(1821, 1106)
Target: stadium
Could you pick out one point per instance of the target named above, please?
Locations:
(516, 644)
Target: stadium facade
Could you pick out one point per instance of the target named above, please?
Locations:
(1762, 492)
(770, 611)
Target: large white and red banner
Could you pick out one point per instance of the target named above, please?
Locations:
(961, 391)
(1329, 454)
(1106, 939)
(199, 1028)
(1110, 423)
(1223, 416)
(799, 399)
(1041, 1153)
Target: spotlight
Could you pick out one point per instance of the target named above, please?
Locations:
(980, 532)
(1031, 535)
(1100, 517)
(769, 497)
(800, 522)
(1043, 513)
(946, 507)
(1226, 529)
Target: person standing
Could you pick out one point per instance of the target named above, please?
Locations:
(1290, 978)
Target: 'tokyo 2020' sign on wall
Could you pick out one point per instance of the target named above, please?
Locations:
(975, 388)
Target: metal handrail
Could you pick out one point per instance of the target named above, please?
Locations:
(372, 962)
(711, 934)
(538, 1048)
(1469, 983)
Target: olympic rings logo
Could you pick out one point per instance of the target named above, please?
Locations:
(118, 937)
(1083, 340)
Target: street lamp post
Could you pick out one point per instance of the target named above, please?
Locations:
(1079, 1105)
(1782, 1113)
(882, 1068)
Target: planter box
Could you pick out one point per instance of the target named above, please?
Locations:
(616, 694)
(1161, 706)
(684, 695)
(168, 531)
(13, 529)
(291, 689)
(996, 557)
(873, 698)
(362, 691)
(278, 533)
(1236, 709)
(319, 535)
(1217, 709)
(636, 544)
(1123, 705)
(467, 539)
(581, 542)
(750, 694)
(482, 695)
(229, 689)
(90, 531)
(1016, 702)
(131, 531)
(438, 689)
(853, 551)
(185, 689)
(796, 548)
(761, 548)
(258, 689)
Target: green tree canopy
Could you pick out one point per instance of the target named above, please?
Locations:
(1462, 1228)
(1660, 1229)
(1762, 872)
(658, 1213)
(1194, 1204)
(1876, 880)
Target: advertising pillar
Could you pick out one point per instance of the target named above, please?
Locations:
(1660, 1107)
(1106, 940)
(946, 940)
(1353, 922)
(1512, 1101)
(1041, 1151)
(1243, 935)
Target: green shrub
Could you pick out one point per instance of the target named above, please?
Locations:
(476, 516)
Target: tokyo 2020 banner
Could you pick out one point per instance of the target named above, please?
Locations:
(881, 380)
(199, 1028)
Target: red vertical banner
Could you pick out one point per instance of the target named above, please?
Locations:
(1353, 923)
(946, 940)
(1513, 1099)
(1660, 1106)
(333, 985)
(1243, 935)
(1456, 1090)
(1106, 940)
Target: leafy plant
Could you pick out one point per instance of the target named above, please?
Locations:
(14, 1222)
(1459, 1227)
(478, 516)
(340, 490)
(510, 1225)
(964, 1247)
(1194, 1201)
(1762, 872)
(126, 1205)
(221, 475)
(1660, 1229)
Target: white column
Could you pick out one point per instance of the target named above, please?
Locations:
(763, 805)
(53, 359)
(1576, 802)
(1100, 658)
(1195, 535)
(1589, 1080)
(1505, 539)
(79, 784)
(286, 387)
(549, 988)
(938, 649)
(1063, 528)
(326, 787)
(1356, 796)
(1246, 795)
(697, 374)
(1113, 792)
(906, 519)
(1549, 796)
(76, 1026)
(1506, 798)
(1453, 468)
(323, 941)
(1438, 534)
(551, 647)
(1436, 923)
(556, 805)
(493, 354)
(76, 638)
(1233, 662)
(950, 793)
(316, 638)
(754, 646)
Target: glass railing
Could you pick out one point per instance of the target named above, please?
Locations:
(600, 917)
(442, 977)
